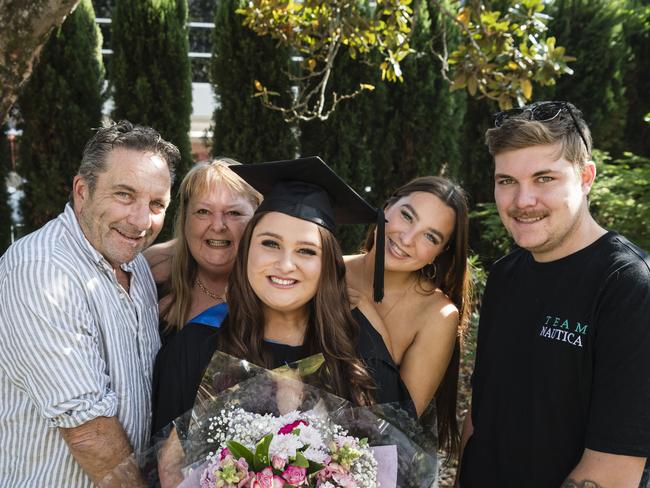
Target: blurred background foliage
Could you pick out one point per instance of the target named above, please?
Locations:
(431, 122)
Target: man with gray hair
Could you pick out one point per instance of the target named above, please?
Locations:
(561, 384)
(78, 319)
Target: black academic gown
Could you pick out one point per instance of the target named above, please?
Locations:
(180, 366)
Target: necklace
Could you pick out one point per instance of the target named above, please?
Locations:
(207, 292)
(399, 299)
(401, 296)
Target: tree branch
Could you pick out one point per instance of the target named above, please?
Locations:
(25, 27)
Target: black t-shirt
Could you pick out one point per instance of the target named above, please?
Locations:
(562, 364)
(181, 363)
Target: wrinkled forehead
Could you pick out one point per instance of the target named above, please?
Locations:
(135, 168)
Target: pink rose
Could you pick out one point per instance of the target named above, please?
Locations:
(295, 475)
(329, 471)
(224, 452)
(345, 480)
(287, 429)
(278, 462)
(247, 480)
(266, 479)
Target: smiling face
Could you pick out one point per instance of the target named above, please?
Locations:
(419, 226)
(541, 199)
(215, 221)
(126, 211)
(284, 261)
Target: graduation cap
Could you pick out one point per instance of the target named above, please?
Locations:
(308, 189)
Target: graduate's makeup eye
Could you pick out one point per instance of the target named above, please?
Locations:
(307, 251)
(406, 215)
(270, 243)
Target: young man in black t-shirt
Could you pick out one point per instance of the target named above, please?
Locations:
(561, 385)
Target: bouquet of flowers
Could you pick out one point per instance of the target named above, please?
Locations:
(291, 450)
(255, 428)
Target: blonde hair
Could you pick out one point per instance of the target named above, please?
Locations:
(203, 178)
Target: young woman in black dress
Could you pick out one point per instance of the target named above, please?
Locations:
(427, 303)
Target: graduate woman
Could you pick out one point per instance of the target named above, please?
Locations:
(287, 297)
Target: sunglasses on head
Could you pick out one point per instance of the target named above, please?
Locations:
(540, 112)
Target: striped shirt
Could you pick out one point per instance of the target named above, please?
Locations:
(74, 346)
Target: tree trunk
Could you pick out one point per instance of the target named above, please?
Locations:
(24, 27)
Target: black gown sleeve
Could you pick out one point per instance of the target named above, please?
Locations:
(178, 371)
(379, 363)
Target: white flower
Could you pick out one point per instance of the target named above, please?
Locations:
(310, 436)
(315, 455)
(285, 445)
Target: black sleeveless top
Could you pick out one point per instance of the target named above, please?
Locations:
(181, 363)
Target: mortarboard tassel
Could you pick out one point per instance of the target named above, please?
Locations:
(378, 280)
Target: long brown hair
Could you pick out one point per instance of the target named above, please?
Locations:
(202, 178)
(331, 328)
(453, 278)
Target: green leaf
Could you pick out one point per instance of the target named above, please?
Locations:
(527, 88)
(314, 467)
(301, 461)
(262, 459)
(240, 451)
(472, 85)
(310, 364)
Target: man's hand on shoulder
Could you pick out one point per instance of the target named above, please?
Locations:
(159, 257)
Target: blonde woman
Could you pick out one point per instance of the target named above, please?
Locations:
(192, 270)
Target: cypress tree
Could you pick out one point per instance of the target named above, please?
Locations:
(591, 31)
(60, 105)
(382, 139)
(243, 128)
(637, 79)
(345, 139)
(5, 210)
(150, 74)
(422, 117)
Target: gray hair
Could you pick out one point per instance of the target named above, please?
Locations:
(123, 134)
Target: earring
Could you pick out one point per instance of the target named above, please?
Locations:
(429, 271)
